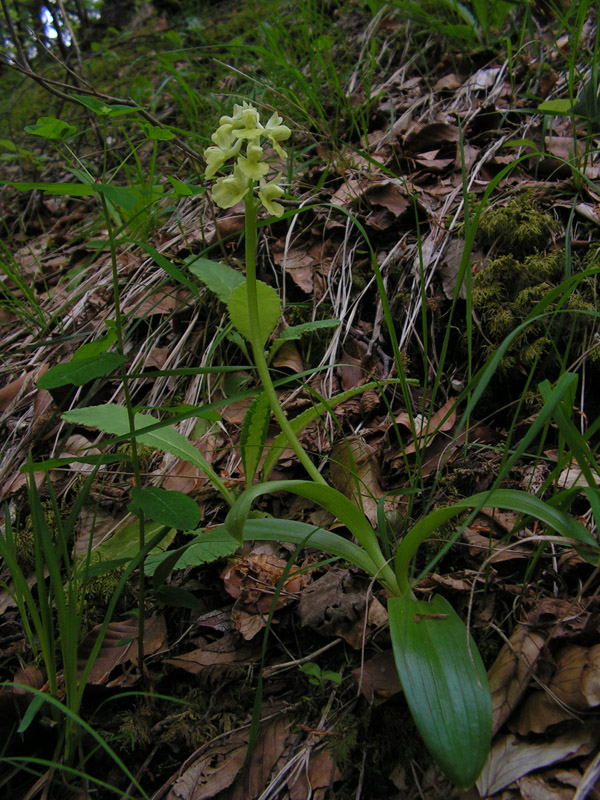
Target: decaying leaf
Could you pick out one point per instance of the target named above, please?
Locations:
(119, 647)
(355, 473)
(575, 687)
(510, 674)
(510, 758)
(335, 605)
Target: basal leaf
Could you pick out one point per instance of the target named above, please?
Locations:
(207, 547)
(219, 278)
(80, 371)
(269, 307)
(171, 508)
(445, 684)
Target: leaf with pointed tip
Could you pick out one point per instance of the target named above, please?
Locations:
(445, 684)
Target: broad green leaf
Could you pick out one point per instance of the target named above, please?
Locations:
(512, 499)
(103, 109)
(558, 106)
(51, 128)
(329, 499)
(284, 530)
(125, 198)
(95, 348)
(445, 684)
(155, 133)
(219, 278)
(208, 546)
(269, 307)
(124, 542)
(182, 189)
(254, 434)
(112, 418)
(171, 508)
(80, 371)
(71, 189)
(296, 331)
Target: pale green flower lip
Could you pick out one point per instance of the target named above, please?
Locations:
(230, 190)
(251, 166)
(267, 193)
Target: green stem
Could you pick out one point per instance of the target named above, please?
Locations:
(258, 354)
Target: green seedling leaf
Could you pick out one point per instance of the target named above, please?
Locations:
(37, 701)
(80, 371)
(219, 278)
(254, 435)
(112, 418)
(182, 189)
(52, 129)
(103, 109)
(296, 331)
(120, 196)
(123, 543)
(155, 133)
(558, 106)
(445, 684)
(171, 508)
(269, 308)
(93, 349)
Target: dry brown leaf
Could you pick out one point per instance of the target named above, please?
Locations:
(355, 473)
(223, 652)
(510, 758)
(316, 779)
(161, 301)
(378, 678)
(575, 686)
(214, 770)
(119, 647)
(510, 673)
(335, 605)
(288, 357)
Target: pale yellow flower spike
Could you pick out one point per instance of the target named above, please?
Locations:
(244, 125)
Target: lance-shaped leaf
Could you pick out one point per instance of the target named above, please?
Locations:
(445, 684)
(254, 434)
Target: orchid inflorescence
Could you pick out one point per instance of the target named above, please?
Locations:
(249, 170)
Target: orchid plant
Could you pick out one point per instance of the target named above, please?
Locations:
(439, 666)
(440, 669)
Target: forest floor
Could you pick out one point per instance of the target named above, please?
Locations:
(460, 153)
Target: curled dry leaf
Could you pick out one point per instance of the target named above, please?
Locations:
(335, 605)
(510, 758)
(511, 671)
(120, 647)
(355, 473)
(575, 687)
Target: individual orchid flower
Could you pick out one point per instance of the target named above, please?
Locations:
(230, 190)
(267, 194)
(276, 132)
(251, 165)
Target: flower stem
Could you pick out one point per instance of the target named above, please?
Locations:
(257, 345)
